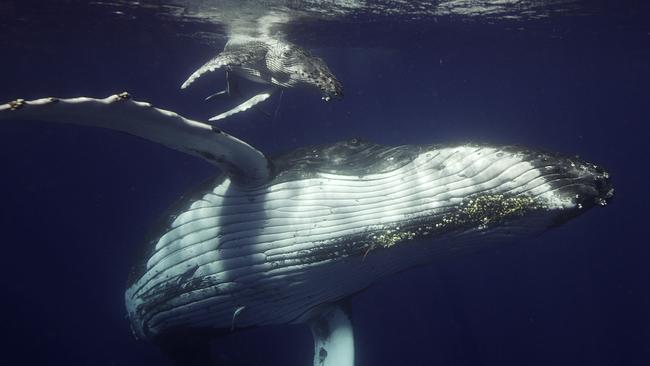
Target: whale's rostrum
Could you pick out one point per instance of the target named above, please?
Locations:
(289, 239)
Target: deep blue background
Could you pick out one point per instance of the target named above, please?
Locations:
(77, 202)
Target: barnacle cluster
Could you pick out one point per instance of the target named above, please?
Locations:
(391, 236)
(124, 96)
(15, 104)
(485, 210)
(479, 212)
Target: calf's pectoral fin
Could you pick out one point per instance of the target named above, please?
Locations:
(247, 104)
(212, 65)
(333, 338)
(233, 58)
(119, 112)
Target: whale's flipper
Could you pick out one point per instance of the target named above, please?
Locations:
(242, 162)
(333, 338)
(251, 102)
(237, 57)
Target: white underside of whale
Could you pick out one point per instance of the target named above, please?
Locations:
(253, 243)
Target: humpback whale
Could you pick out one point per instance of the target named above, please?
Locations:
(268, 61)
(289, 239)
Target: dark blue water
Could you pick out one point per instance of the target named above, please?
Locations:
(77, 203)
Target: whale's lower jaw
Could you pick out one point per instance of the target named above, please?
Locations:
(249, 257)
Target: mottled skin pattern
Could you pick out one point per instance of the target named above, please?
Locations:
(294, 66)
(275, 62)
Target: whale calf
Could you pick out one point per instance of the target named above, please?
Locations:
(268, 61)
(289, 239)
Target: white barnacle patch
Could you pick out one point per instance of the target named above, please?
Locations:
(16, 104)
(482, 211)
(124, 96)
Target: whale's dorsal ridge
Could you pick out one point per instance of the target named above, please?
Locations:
(354, 157)
(242, 162)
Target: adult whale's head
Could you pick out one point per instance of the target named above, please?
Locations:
(284, 240)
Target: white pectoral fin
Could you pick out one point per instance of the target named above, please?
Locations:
(333, 338)
(248, 104)
(212, 65)
(118, 112)
(227, 58)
